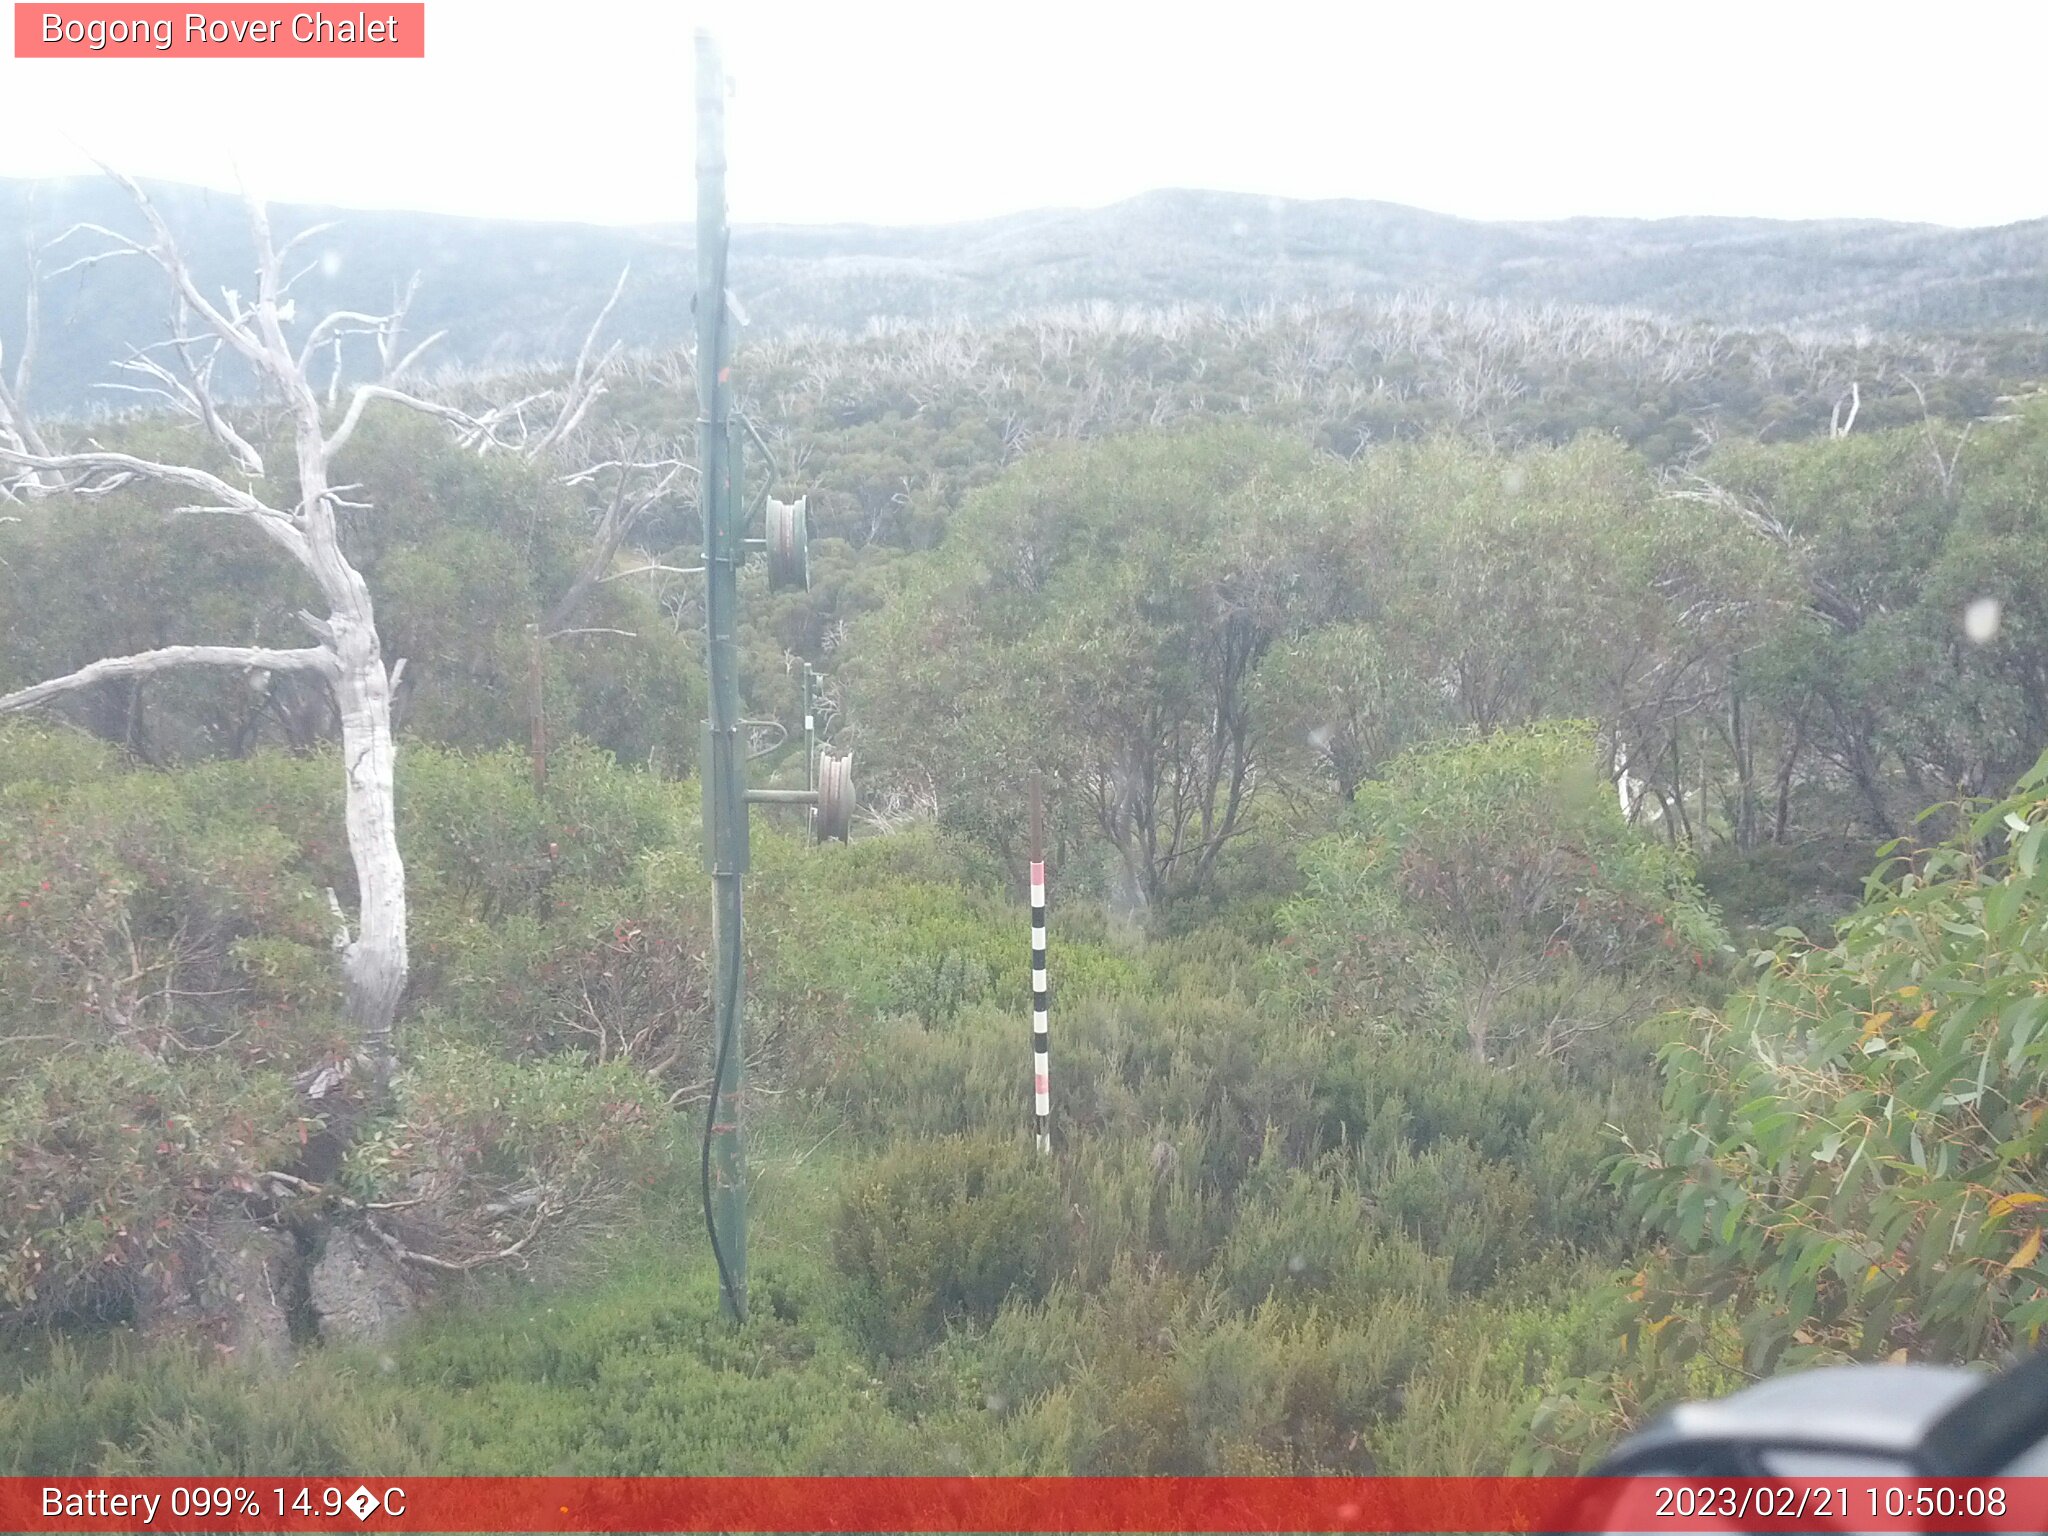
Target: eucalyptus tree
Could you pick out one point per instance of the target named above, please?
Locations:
(1915, 669)
(1097, 614)
(1334, 705)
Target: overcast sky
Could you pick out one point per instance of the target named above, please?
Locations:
(886, 112)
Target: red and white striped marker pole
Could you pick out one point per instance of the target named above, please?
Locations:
(1041, 1007)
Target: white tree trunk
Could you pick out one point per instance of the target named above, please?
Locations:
(375, 962)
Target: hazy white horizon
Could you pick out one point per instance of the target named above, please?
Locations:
(919, 113)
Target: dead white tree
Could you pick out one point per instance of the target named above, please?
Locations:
(347, 654)
(17, 431)
(1944, 463)
(638, 485)
(1840, 425)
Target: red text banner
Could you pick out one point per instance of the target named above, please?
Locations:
(1022, 1504)
(234, 31)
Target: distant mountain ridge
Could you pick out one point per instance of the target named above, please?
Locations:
(511, 293)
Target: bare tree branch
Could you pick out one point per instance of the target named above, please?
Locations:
(24, 366)
(653, 567)
(628, 505)
(585, 382)
(473, 431)
(230, 325)
(312, 659)
(97, 471)
(192, 395)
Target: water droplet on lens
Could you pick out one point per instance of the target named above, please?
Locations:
(1980, 620)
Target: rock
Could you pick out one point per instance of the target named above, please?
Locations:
(233, 1286)
(258, 1275)
(359, 1292)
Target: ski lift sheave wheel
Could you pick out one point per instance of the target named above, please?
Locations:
(789, 544)
(833, 818)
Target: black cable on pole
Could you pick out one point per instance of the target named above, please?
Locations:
(729, 1012)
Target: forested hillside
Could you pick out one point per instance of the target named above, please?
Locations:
(503, 291)
(1503, 978)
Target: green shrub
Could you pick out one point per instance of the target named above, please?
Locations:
(1302, 1234)
(168, 1410)
(1475, 1213)
(1152, 1374)
(481, 844)
(169, 955)
(1810, 885)
(114, 1166)
(914, 924)
(483, 1157)
(1471, 872)
(1389, 1099)
(942, 1232)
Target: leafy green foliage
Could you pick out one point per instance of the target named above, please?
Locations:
(919, 925)
(1335, 706)
(1482, 886)
(1853, 1144)
(1894, 536)
(114, 1165)
(483, 1156)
